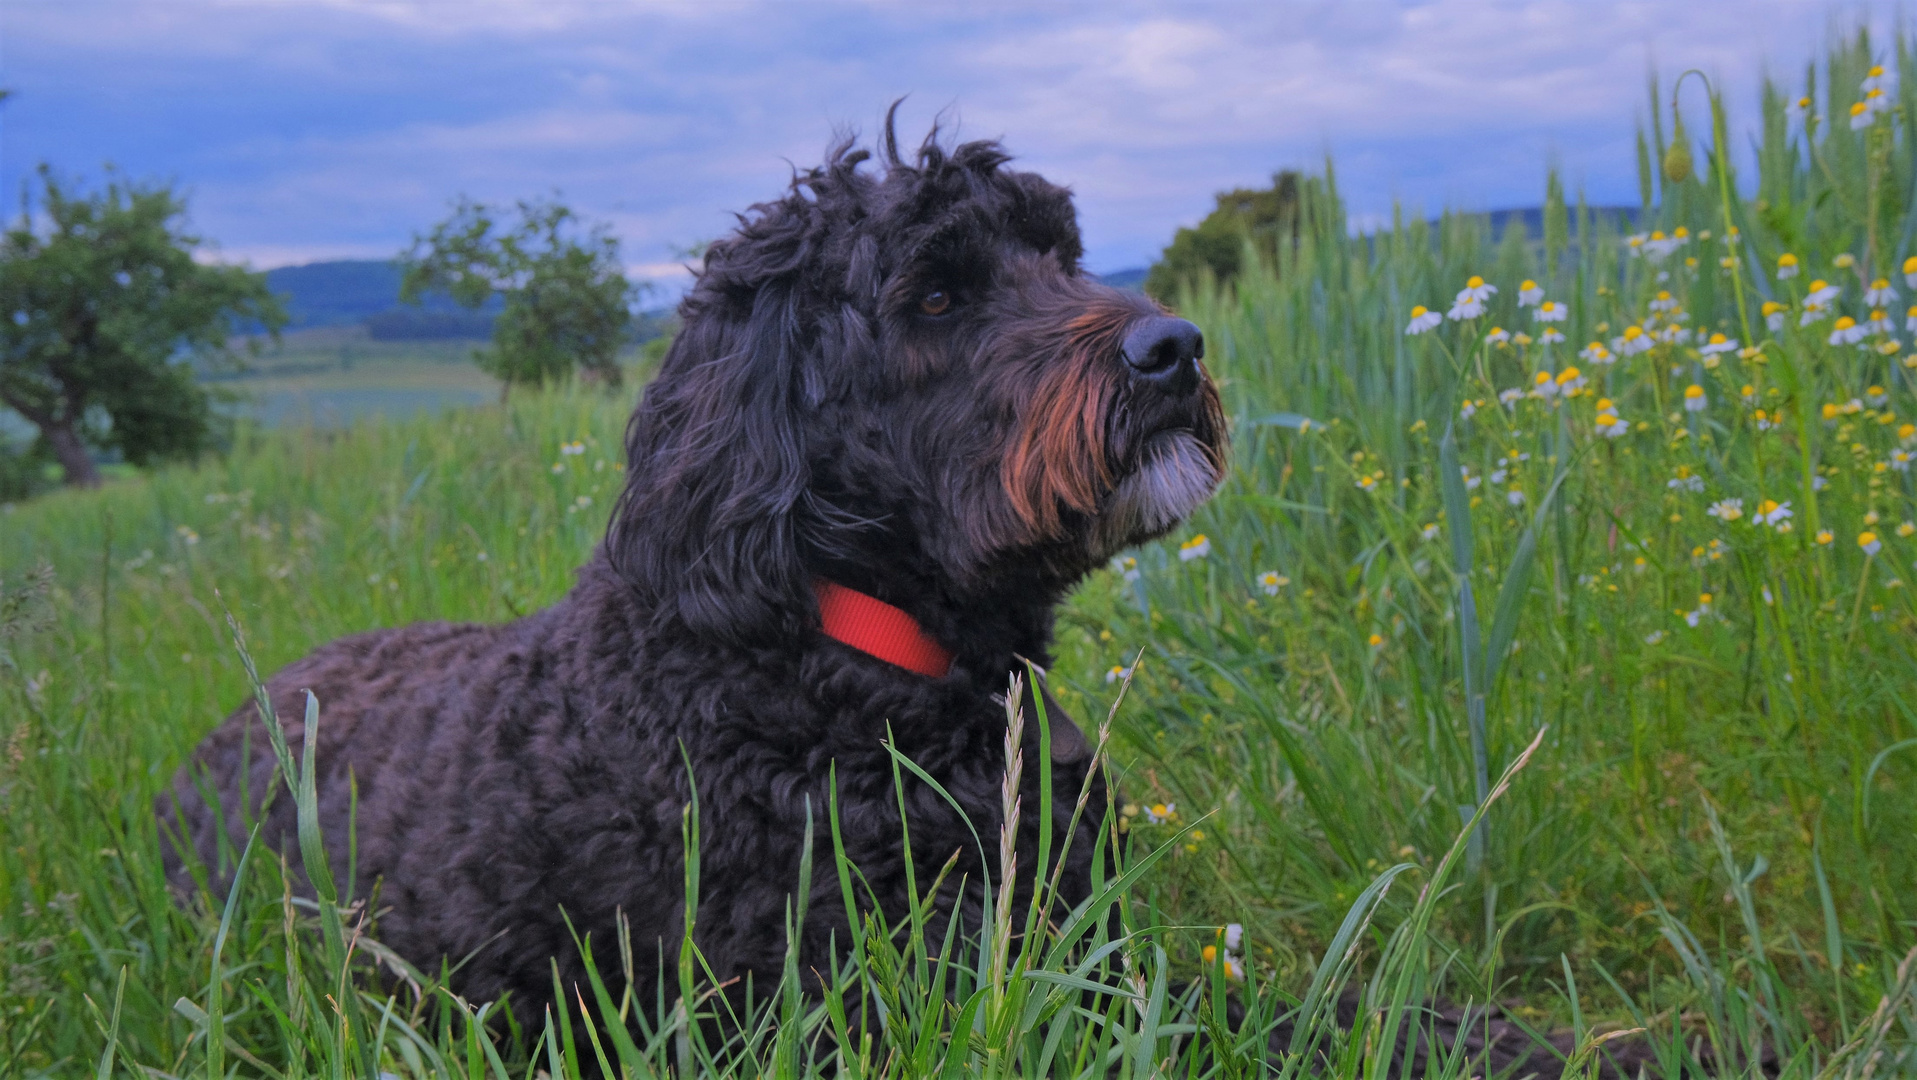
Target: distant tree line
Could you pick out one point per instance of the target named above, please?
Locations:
(1259, 218)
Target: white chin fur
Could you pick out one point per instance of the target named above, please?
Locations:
(1175, 479)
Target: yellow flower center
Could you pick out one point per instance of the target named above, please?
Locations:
(1866, 539)
(1846, 323)
(1858, 109)
(1632, 332)
(1527, 285)
(1693, 391)
(1567, 375)
(1473, 282)
(1787, 259)
(1418, 312)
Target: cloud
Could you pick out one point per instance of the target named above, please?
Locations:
(307, 128)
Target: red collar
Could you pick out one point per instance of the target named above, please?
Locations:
(876, 627)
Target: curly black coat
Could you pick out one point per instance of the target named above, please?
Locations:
(897, 380)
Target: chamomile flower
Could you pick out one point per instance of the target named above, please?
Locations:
(1879, 323)
(1544, 386)
(1786, 266)
(1550, 311)
(1430, 531)
(1498, 475)
(1773, 315)
(1515, 497)
(1906, 529)
(1879, 78)
(1748, 393)
(1498, 336)
(1127, 568)
(1467, 410)
(1196, 548)
(572, 449)
(1367, 483)
(1570, 382)
(1861, 116)
(1880, 293)
(1876, 100)
(1506, 397)
(1596, 353)
(1813, 313)
(1900, 459)
(1727, 510)
(1465, 308)
(1633, 341)
(1117, 673)
(1718, 344)
(1529, 293)
(1609, 426)
(1694, 399)
(1422, 319)
(1764, 420)
(1160, 813)
(1476, 289)
(1771, 512)
(1869, 542)
(1663, 302)
(1551, 336)
(1692, 618)
(1910, 271)
(1654, 637)
(1271, 581)
(1470, 482)
(1846, 332)
(1822, 292)
(1875, 397)
(1685, 480)
(1824, 537)
(1843, 260)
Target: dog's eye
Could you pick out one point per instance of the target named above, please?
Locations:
(936, 302)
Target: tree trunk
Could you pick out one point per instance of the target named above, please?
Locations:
(72, 454)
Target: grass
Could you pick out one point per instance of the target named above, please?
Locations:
(1712, 838)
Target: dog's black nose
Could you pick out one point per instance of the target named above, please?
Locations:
(1165, 351)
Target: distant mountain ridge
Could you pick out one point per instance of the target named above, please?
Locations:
(347, 292)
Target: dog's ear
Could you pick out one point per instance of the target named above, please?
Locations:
(706, 528)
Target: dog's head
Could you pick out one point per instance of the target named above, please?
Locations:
(900, 379)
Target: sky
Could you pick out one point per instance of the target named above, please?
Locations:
(303, 130)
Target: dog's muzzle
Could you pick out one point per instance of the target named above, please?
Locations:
(1163, 352)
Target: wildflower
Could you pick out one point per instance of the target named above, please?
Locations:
(1824, 537)
(1609, 426)
(1880, 292)
(1476, 289)
(1692, 618)
(1877, 78)
(1196, 548)
(1727, 510)
(1906, 529)
(1160, 813)
(1422, 319)
(558, 467)
(1654, 637)
(1727, 262)
(1550, 311)
(1430, 531)
(1771, 512)
(1879, 323)
(1748, 393)
(1765, 421)
(1596, 353)
(1844, 260)
(187, 536)
(1633, 341)
(1846, 332)
(1773, 315)
(1570, 382)
(1468, 409)
(1718, 344)
(1860, 116)
(1900, 459)
(1694, 399)
(1551, 336)
(1821, 292)
(1906, 432)
(1876, 396)
(1271, 581)
(1529, 293)
(1117, 673)
(1813, 313)
(1887, 348)
(1375, 640)
(1470, 482)
(1663, 302)
(1498, 336)
(572, 449)
(1869, 542)
(1506, 397)
(1786, 266)
(1498, 475)
(1515, 497)
(1520, 338)
(1685, 480)
(1910, 271)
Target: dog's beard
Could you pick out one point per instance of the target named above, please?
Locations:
(1174, 477)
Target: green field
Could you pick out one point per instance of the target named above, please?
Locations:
(1434, 550)
(332, 376)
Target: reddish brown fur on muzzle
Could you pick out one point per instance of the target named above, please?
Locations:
(1059, 457)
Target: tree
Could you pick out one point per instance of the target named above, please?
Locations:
(567, 303)
(103, 310)
(1218, 243)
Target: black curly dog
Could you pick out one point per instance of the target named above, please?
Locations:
(892, 387)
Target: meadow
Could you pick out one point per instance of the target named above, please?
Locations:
(1549, 644)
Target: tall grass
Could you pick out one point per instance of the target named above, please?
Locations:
(1713, 837)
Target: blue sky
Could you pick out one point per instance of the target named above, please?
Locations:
(313, 129)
